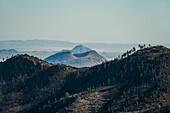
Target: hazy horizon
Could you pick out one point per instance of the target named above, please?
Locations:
(82, 42)
(90, 21)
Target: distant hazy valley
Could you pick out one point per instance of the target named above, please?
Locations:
(79, 56)
(44, 48)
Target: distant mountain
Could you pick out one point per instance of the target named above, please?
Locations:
(60, 57)
(138, 82)
(39, 45)
(51, 45)
(6, 53)
(39, 54)
(86, 59)
(78, 49)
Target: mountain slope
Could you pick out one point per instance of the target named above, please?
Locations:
(77, 49)
(26, 80)
(80, 49)
(139, 82)
(60, 57)
(20, 65)
(86, 59)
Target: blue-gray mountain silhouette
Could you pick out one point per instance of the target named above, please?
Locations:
(85, 59)
(4, 53)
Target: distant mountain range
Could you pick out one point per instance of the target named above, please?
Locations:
(7, 53)
(45, 48)
(51, 45)
(79, 56)
(38, 45)
(39, 54)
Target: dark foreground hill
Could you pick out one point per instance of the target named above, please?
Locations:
(137, 83)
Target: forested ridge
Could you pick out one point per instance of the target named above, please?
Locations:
(137, 82)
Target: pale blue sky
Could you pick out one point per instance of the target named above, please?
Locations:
(108, 21)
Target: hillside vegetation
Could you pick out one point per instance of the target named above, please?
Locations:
(139, 82)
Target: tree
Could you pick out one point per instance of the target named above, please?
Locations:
(134, 49)
(139, 46)
(123, 55)
(143, 45)
(127, 53)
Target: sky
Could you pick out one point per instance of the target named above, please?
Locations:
(97, 21)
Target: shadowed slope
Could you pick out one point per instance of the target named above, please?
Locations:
(139, 82)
